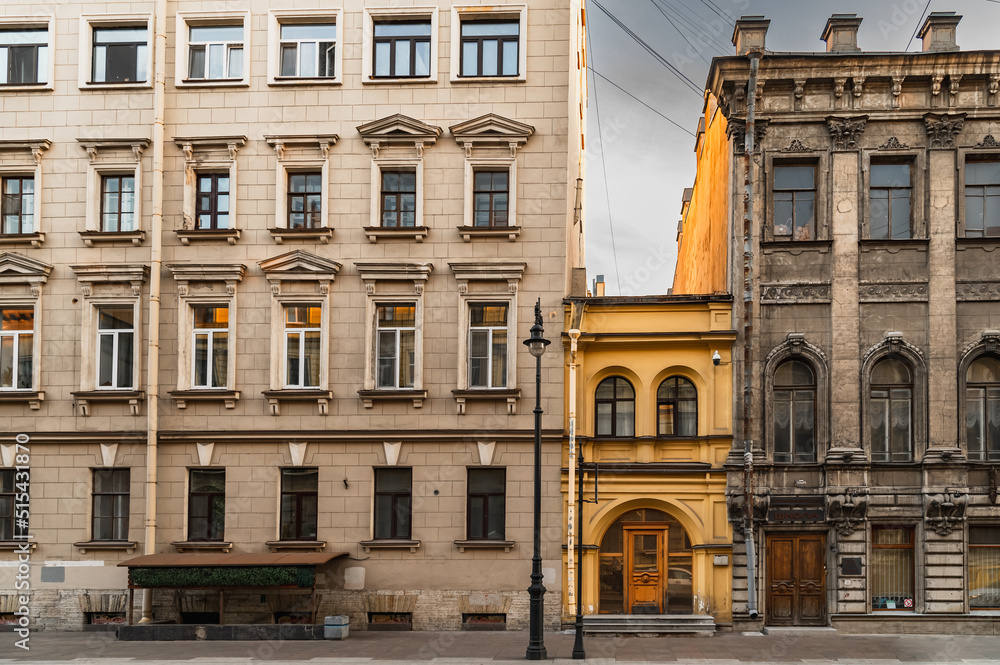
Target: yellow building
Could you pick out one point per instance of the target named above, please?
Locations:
(647, 404)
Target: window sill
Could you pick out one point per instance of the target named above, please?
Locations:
(136, 85)
(280, 235)
(473, 395)
(519, 78)
(296, 545)
(106, 545)
(463, 545)
(207, 83)
(33, 398)
(26, 87)
(385, 544)
(202, 546)
(371, 80)
(371, 396)
(417, 233)
(470, 232)
(16, 545)
(187, 235)
(893, 246)
(182, 397)
(821, 246)
(36, 239)
(91, 238)
(85, 397)
(989, 243)
(306, 81)
(275, 397)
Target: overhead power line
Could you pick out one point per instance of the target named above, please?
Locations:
(671, 121)
(679, 31)
(917, 28)
(699, 26)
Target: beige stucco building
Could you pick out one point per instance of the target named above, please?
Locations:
(275, 262)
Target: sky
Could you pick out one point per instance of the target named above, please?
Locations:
(640, 154)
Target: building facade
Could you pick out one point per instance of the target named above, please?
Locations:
(264, 275)
(861, 260)
(652, 417)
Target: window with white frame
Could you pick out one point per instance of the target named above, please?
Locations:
(20, 325)
(400, 43)
(210, 342)
(17, 339)
(213, 48)
(18, 204)
(303, 345)
(488, 345)
(24, 55)
(396, 345)
(115, 347)
(304, 46)
(489, 42)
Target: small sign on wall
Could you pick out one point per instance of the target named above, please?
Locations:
(850, 565)
(721, 560)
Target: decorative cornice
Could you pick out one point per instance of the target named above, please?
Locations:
(299, 266)
(780, 293)
(795, 344)
(988, 142)
(398, 129)
(943, 129)
(977, 291)
(989, 341)
(323, 142)
(893, 343)
(845, 132)
(19, 269)
(110, 273)
(893, 144)
(491, 130)
(903, 292)
(184, 273)
(374, 272)
(847, 511)
(493, 272)
(737, 131)
(944, 512)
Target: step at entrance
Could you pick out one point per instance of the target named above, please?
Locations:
(650, 624)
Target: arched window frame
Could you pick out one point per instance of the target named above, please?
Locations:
(614, 407)
(795, 347)
(893, 346)
(988, 345)
(659, 401)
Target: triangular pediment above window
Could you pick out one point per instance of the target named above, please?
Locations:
(492, 129)
(19, 269)
(300, 265)
(399, 129)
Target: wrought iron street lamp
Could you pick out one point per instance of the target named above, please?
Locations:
(536, 647)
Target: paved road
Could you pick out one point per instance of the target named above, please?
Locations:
(507, 648)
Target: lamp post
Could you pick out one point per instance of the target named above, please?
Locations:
(536, 647)
(578, 651)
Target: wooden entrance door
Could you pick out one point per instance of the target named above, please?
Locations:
(645, 558)
(796, 574)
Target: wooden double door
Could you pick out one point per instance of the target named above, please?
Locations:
(796, 580)
(645, 563)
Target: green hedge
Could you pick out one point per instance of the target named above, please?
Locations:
(249, 576)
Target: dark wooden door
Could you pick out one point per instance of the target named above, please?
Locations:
(644, 574)
(796, 574)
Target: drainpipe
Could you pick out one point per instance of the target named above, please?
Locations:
(571, 522)
(155, 260)
(748, 336)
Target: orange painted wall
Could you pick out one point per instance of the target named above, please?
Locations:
(701, 256)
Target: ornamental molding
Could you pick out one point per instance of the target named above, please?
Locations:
(795, 344)
(736, 512)
(88, 275)
(943, 129)
(491, 130)
(944, 512)
(989, 342)
(779, 293)
(893, 343)
(846, 132)
(797, 146)
(19, 269)
(299, 266)
(977, 291)
(893, 144)
(847, 511)
(377, 271)
(912, 292)
(737, 131)
(988, 142)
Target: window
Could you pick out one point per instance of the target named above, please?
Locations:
(399, 199)
(215, 52)
(490, 198)
(890, 192)
(299, 501)
(984, 567)
(16, 347)
(207, 504)
(303, 337)
(24, 56)
(211, 346)
(18, 205)
(488, 345)
(982, 199)
(396, 346)
(677, 408)
(212, 203)
(7, 494)
(117, 203)
(305, 200)
(615, 407)
(115, 337)
(490, 48)
(794, 413)
(308, 50)
(486, 510)
(111, 497)
(119, 55)
(795, 202)
(402, 49)
(892, 568)
(393, 503)
(891, 412)
(982, 409)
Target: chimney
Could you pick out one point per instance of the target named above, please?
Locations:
(938, 31)
(841, 33)
(599, 286)
(749, 34)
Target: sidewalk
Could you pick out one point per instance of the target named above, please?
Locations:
(498, 648)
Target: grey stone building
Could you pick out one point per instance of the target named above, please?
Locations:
(867, 296)
(265, 270)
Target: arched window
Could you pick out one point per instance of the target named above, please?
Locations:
(794, 413)
(891, 411)
(615, 407)
(677, 408)
(982, 409)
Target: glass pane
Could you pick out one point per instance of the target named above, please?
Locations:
(196, 62)
(890, 175)
(992, 213)
(804, 218)
(217, 33)
(423, 63)
(611, 579)
(490, 57)
(6, 362)
(984, 571)
(782, 426)
(645, 553)
(299, 480)
(783, 217)
(311, 358)
(793, 373)
(665, 418)
(603, 419)
(208, 480)
(216, 61)
(392, 480)
(24, 361)
(29, 36)
(890, 371)
(606, 389)
(487, 481)
(687, 421)
(141, 58)
(982, 173)
(488, 315)
(489, 28)
(200, 360)
(383, 516)
(975, 399)
(387, 359)
(900, 214)
(125, 360)
(974, 210)
(880, 429)
(879, 204)
(403, 29)
(623, 389)
(470, 58)
(381, 57)
(402, 64)
(900, 441)
(100, 62)
(499, 359)
(406, 358)
(805, 449)
(510, 58)
(106, 360)
(289, 58)
(794, 177)
(292, 359)
(120, 35)
(211, 317)
(396, 315)
(235, 69)
(220, 359)
(308, 59)
(316, 31)
(625, 418)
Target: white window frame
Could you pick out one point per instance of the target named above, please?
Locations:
(88, 22)
(416, 165)
(278, 17)
(496, 13)
(34, 23)
(115, 334)
(474, 164)
(373, 15)
(22, 166)
(469, 303)
(398, 355)
(321, 328)
(21, 280)
(210, 333)
(182, 51)
(21, 303)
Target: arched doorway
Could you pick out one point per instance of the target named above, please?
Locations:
(645, 565)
